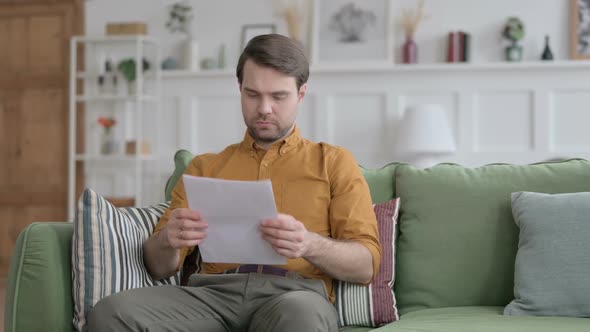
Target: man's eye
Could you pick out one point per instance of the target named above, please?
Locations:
(252, 95)
(279, 97)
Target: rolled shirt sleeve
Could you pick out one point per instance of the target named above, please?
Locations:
(351, 210)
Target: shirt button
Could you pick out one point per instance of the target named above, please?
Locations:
(264, 164)
(251, 153)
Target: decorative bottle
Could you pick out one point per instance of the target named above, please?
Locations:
(547, 54)
(410, 51)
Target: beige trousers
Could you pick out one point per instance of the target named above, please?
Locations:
(225, 302)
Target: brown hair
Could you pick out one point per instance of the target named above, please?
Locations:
(278, 52)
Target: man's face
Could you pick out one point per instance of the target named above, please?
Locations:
(269, 102)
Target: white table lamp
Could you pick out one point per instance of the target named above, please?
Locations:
(424, 135)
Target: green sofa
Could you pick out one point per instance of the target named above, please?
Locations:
(455, 254)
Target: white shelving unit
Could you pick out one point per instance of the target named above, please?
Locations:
(132, 107)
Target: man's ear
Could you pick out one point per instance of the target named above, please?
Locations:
(302, 93)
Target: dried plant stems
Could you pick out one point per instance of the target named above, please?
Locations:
(293, 13)
(411, 20)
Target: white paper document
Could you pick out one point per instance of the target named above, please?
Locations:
(234, 210)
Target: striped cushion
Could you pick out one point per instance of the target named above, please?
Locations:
(373, 305)
(107, 251)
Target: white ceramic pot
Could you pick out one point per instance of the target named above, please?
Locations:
(191, 55)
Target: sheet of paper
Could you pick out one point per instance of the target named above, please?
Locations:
(233, 209)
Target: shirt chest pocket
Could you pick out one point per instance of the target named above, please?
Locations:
(308, 201)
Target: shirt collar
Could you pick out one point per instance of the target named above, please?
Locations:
(292, 140)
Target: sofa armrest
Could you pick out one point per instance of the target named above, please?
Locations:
(39, 292)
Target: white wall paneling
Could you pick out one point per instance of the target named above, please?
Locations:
(514, 113)
(498, 112)
(570, 116)
(306, 116)
(359, 122)
(219, 122)
(503, 121)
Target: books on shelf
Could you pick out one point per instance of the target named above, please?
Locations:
(459, 47)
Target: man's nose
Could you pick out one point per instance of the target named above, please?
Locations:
(265, 106)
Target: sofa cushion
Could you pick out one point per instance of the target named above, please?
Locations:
(355, 329)
(481, 319)
(107, 251)
(375, 304)
(458, 240)
(552, 271)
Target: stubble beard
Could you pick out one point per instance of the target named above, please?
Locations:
(267, 140)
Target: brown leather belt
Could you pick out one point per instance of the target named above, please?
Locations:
(265, 269)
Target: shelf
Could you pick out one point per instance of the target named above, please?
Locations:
(384, 68)
(179, 73)
(114, 157)
(113, 98)
(148, 75)
(117, 39)
(452, 67)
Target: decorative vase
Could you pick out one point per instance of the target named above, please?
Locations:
(107, 142)
(547, 53)
(131, 88)
(221, 57)
(191, 55)
(410, 51)
(514, 53)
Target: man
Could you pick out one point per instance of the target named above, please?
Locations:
(326, 226)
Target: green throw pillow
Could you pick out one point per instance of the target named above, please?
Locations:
(552, 269)
(181, 160)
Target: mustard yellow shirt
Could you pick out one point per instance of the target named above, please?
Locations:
(319, 184)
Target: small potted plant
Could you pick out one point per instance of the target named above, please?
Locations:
(514, 32)
(107, 141)
(127, 67)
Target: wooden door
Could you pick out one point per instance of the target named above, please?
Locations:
(34, 81)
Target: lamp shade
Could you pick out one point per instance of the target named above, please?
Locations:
(425, 129)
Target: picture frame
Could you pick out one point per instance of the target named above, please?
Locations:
(352, 31)
(250, 31)
(580, 29)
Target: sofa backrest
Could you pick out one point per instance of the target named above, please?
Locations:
(457, 238)
(381, 182)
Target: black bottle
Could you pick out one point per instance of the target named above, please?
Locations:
(547, 54)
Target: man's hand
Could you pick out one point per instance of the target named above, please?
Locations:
(287, 235)
(344, 260)
(185, 228)
(161, 253)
